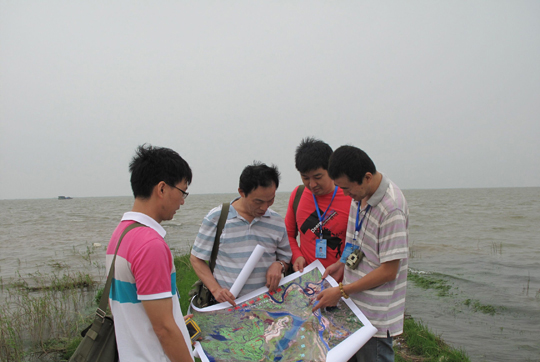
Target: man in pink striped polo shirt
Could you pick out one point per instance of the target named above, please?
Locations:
(148, 320)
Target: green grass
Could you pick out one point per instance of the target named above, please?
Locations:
(41, 314)
(70, 346)
(476, 306)
(428, 281)
(185, 277)
(421, 345)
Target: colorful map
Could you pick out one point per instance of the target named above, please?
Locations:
(277, 326)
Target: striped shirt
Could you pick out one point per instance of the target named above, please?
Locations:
(383, 238)
(238, 240)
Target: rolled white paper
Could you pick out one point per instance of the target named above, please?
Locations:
(246, 270)
(346, 349)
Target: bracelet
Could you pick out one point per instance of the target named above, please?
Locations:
(343, 294)
(282, 266)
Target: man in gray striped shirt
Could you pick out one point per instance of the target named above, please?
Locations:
(377, 234)
(250, 222)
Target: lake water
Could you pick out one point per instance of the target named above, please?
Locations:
(484, 243)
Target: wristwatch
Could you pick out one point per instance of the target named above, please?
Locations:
(282, 266)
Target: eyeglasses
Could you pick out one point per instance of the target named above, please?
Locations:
(184, 194)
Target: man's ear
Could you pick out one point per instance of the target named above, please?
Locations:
(159, 189)
(368, 176)
(241, 192)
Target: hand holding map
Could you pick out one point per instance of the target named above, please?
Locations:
(281, 325)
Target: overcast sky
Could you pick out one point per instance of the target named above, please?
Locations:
(441, 94)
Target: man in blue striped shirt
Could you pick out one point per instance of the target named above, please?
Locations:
(250, 222)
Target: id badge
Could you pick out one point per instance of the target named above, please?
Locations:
(320, 248)
(349, 248)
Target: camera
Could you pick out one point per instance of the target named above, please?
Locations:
(355, 258)
(193, 329)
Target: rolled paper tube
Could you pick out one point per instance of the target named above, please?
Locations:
(246, 270)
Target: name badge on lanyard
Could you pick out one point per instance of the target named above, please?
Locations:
(321, 243)
(320, 248)
(350, 247)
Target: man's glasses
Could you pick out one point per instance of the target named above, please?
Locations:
(184, 194)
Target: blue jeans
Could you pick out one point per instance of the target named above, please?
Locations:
(375, 350)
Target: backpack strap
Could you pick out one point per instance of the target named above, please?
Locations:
(299, 192)
(220, 226)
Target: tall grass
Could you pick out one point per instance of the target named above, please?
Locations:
(42, 313)
(185, 277)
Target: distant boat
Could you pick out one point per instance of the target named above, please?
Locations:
(64, 197)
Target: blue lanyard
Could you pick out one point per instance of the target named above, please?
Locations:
(357, 226)
(321, 218)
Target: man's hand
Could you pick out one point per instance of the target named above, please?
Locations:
(327, 298)
(273, 276)
(299, 264)
(223, 295)
(336, 270)
(203, 272)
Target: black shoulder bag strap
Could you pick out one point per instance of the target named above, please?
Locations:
(102, 309)
(220, 226)
(297, 197)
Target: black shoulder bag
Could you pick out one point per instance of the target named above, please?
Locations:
(203, 296)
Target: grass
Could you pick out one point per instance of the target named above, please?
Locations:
(185, 277)
(419, 344)
(429, 281)
(41, 313)
(476, 306)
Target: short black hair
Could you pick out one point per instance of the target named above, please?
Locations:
(311, 155)
(258, 174)
(151, 165)
(351, 162)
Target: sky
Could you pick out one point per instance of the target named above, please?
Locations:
(440, 94)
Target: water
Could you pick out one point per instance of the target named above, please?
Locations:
(485, 243)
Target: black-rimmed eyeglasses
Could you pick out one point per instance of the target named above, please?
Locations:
(184, 194)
